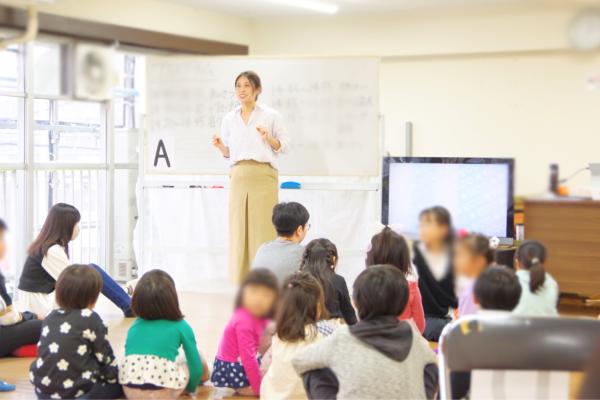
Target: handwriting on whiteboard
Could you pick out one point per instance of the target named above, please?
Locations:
(329, 107)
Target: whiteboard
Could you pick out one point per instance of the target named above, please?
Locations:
(329, 108)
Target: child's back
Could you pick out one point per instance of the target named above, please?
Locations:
(151, 352)
(542, 302)
(281, 381)
(380, 357)
(75, 358)
(280, 256)
(73, 354)
(319, 260)
(151, 367)
(299, 323)
(539, 294)
(378, 368)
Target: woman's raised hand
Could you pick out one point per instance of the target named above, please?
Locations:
(264, 133)
(217, 141)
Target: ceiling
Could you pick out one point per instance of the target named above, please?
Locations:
(273, 8)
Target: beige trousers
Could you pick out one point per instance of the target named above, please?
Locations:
(253, 194)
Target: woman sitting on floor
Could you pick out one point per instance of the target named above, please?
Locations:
(48, 256)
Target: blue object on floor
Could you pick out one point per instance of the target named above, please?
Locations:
(6, 387)
(291, 185)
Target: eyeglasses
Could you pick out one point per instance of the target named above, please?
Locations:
(307, 227)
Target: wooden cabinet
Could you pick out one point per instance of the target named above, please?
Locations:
(570, 229)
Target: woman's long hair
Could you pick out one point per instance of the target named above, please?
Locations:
(319, 260)
(532, 256)
(57, 229)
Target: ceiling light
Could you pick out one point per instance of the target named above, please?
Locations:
(311, 5)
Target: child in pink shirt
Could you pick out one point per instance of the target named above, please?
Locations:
(388, 247)
(472, 255)
(237, 363)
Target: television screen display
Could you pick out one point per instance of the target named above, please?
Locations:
(478, 192)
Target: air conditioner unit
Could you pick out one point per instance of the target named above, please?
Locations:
(94, 71)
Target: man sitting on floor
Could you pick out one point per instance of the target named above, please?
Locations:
(284, 254)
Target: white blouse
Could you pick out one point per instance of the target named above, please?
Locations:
(246, 143)
(54, 262)
(438, 263)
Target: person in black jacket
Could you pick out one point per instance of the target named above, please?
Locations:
(433, 260)
(320, 259)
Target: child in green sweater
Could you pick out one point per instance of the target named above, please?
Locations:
(150, 368)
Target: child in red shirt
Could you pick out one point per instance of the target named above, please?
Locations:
(388, 247)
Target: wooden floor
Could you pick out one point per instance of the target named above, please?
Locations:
(206, 313)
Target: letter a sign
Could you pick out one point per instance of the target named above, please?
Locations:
(161, 154)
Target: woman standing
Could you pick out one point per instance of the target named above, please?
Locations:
(252, 137)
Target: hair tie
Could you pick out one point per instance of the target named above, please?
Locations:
(535, 260)
(494, 242)
(463, 233)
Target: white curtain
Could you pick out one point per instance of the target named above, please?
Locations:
(185, 230)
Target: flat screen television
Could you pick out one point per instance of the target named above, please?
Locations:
(478, 192)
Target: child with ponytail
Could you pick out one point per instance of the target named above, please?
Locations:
(539, 295)
(320, 260)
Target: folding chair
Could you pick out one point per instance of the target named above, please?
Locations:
(509, 342)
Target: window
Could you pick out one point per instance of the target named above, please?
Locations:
(11, 65)
(127, 110)
(11, 129)
(49, 62)
(69, 131)
(71, 161)
(12, 210)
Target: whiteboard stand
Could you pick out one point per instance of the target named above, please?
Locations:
(408, 138)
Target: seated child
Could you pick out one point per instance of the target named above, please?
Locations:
(16, 329)
(496, 292)
(236, 365)
(320, 259)
(380, 356)
(433, 260)
(387, 247)
(299, 322)
(540, 291)
(150, 368)
(75, 358)
(283, 255)
(472, 255)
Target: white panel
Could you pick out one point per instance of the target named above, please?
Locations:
(475, 194)
(329, 106)
(506, 385)
(184, 231)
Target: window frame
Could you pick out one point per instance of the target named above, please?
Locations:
(30, 167)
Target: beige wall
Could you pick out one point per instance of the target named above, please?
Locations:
(534, 107)
(431, 31)
(494, 82)
(154, 15)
